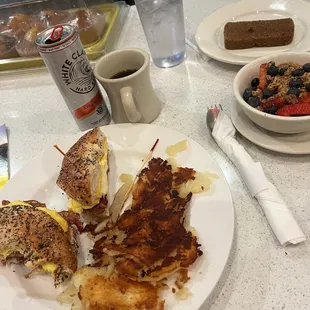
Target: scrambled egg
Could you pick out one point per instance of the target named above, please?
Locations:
(3, 179)
(104, 167)
(52, 213)
(49, 267)
(75, 206)
(6, 252)
(102, 188)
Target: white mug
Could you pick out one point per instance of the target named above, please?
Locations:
(132, 97)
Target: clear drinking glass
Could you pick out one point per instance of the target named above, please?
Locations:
(163, 24)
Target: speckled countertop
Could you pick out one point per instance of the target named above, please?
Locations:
(260, 274)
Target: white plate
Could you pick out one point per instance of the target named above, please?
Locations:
(297, 144)
(210, 33)
(212, 214)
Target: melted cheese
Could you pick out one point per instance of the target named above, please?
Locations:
(58, 218)
(17, 203)
(102, 188)
(49, 267)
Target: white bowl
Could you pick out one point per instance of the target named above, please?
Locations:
(280, 124)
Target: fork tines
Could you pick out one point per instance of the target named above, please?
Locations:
(215, 106)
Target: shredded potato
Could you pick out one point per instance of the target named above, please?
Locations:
(116, 207)
(172, 150)
(202, 182)
(192, 230)
(68, 295)
(173, 162)
(76, 305)
(84, 273)
(86, 285)
(183, 294)
(125, 177)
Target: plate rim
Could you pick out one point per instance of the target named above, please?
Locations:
(243, 60)
(229, 198)
(235, 110)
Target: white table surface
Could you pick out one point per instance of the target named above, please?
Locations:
(260, 274)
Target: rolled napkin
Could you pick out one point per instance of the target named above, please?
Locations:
(279, 216)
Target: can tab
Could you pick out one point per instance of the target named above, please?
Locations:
(57, 33)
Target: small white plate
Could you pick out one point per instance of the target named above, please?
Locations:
(211, 213)
(298, 144)
(210, 33)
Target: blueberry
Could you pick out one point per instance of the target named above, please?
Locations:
(282, 71)
(307, 87)
(254, 101)
(298, 72)
(295, 82)
(271, 63)
(267, 93)
(248, 93)
(255, 82)
(306, 67)
(271, 110)
(272, 70)
(293, 91)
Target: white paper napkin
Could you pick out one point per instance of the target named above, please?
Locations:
(277, 213)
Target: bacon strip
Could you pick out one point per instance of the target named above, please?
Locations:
(72, 219)
(36, 204)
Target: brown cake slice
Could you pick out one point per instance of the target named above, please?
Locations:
(248, 34)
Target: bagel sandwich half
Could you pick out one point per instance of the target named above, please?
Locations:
(84, 174)
(43, 240)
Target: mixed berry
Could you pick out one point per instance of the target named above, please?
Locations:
(282, 89)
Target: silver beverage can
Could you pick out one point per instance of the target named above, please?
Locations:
(64, 56)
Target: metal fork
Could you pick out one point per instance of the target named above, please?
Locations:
(212, 114)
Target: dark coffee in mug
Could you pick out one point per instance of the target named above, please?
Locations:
(125, 76)
(123, 73)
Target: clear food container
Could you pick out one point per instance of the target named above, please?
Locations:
(98, 24)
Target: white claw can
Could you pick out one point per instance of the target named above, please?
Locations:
(64, 56)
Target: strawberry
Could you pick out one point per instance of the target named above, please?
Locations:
(305, 99)
(297, 109)
(279, 102)
(262, 76)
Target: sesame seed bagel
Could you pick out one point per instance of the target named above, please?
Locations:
(80, 172)
(32, 237)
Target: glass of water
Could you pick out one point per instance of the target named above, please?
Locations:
(163, 25)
